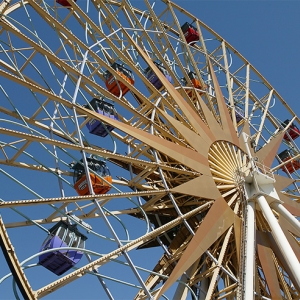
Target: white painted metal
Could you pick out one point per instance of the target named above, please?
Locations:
(250, 252)
(280, 238)
(287, 215)
(257, 184)
(248, 289)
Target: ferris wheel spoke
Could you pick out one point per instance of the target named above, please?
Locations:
(292, 206)
(230, 94)
(159, 144)
(224, 115)
(201, 187)
(217, 270)
(267, 153)
(283, 182)
(18, 203)
(265, 255)
(201, 242)
(191, 137)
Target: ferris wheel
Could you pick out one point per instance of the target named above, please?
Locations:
(142, 157)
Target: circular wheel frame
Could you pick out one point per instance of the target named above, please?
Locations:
(199, 203)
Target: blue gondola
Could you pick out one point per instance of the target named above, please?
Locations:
(62, 234)
(153, 78)
(106, 109)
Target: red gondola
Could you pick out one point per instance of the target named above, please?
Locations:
(65, 3)
(292, 131)
(117, 87)
(99, 185)
(292, 166)
(190, 33)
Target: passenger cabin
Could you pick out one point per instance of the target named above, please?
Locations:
(99, 185)
(190, 33)
(292, 133)
(103, 108)
(239, 114)
(292, 166)
(117, 87)
(65, 3)
(153, 78)
(61, 235)
(196, 83)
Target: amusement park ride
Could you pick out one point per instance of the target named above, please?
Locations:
(155, 124)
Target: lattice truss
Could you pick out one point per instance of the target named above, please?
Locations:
(177, 155)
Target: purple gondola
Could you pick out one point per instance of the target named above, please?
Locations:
(239, 114)
(62, 234)
(153, 78)
(106, 109)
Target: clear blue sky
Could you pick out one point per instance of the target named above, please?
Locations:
(267, 34)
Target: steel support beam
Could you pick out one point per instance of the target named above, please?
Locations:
(250, 252)
(14, 266)
(280, 238)
(287, 215)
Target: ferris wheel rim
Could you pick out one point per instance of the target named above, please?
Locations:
(232, 159)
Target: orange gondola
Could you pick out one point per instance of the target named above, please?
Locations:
(117, 87)
(99, 185)
(196, 83)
